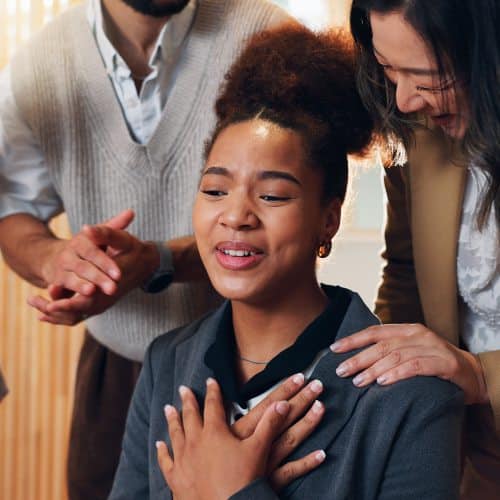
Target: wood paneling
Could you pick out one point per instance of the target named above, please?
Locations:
(38, 360)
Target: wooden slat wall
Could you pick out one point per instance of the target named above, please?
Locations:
(38, 360)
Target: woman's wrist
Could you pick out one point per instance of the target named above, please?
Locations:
(482, 392)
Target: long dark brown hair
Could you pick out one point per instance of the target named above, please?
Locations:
(464, 36)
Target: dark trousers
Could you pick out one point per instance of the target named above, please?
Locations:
(104, 385)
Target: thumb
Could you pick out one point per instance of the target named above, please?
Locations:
(269, 426)
(122, 220)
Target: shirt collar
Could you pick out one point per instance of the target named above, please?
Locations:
(169, 40)
(321, 332)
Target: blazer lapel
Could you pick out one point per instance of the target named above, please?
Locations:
(437, 185)
(339, 395)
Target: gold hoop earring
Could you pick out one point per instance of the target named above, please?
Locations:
(324, 249)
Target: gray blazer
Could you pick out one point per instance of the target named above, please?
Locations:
(398, 442)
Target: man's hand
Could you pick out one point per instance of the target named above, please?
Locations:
(135, 260)
(81, 265)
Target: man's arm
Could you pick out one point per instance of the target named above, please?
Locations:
(136, 259)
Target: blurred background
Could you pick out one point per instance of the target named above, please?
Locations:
(39, 360)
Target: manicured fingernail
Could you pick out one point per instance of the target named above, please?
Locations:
(358, 379)
(158, 444)
(381, 380)
(282, 407)
(210, 381)
(168, 409)
(335, 346)
(114, 273)
(317, 407)
(320, 456)
(183, 390)
(341, 370)
(298, 379)
(316, 386)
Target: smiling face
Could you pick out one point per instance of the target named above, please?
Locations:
(408, 63)
(259, 216)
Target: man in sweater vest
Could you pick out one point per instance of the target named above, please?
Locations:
(108, 108)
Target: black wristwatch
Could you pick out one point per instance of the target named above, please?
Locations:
(164, 275)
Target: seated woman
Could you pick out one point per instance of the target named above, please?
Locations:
(269, 202)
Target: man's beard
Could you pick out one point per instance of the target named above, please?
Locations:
(157, 8)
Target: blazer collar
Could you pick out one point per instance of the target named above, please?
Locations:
(437, 174)
(339, 395)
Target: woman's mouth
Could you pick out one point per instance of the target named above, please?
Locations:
(446, 120)
(237, 256)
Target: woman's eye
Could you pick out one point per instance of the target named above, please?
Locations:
(271, 198)
(441, 88)
(213, 192)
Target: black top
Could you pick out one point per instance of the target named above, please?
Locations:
(318, 335)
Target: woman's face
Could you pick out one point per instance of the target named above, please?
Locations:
(258, 216)
(408, 63)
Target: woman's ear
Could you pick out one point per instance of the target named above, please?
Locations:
(331, 221)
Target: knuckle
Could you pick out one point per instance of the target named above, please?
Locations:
(289, 440)
(383, 348)
(415, 367)
(395, 357)
(288, 473)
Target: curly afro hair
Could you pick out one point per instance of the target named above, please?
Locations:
(303, 81)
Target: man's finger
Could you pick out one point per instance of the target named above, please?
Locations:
(84, 248)
(298, 468)
(121, 220)
(245, 426)
(76, 304)
(103, 236)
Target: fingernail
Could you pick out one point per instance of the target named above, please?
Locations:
(168, 409)
(158, 444)
(183, 390)
(298, 379)
(210, 381)
(320, 456)
(317, 407)
(358, 379)
(316, 386)
(381, 380)
(282, 407)
(335, 346)
(114, 273)
(341, 370)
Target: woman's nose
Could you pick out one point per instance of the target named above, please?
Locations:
(408, 99)
(238, 214)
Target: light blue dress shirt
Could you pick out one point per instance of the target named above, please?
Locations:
(25, 186)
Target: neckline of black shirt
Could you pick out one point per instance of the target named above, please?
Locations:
(318, 335)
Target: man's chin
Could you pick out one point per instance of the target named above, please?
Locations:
(157, 8)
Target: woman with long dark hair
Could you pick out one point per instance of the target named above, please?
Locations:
(429, 72)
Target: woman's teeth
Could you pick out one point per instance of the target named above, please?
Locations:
(237, 253)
